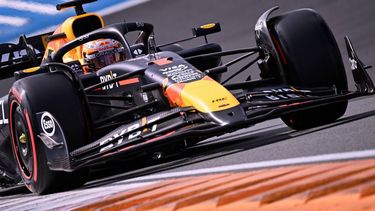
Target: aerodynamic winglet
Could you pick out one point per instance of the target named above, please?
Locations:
(361, 77)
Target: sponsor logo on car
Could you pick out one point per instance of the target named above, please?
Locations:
(76, 66)
(353, 64)
(138, 52)
(218, 100)
(134, 131)
(108, 77)
(83, 37)
(181, 73)
(258, 28)
(284, 93)
(51, 133)
(48, 124)
(15, 55)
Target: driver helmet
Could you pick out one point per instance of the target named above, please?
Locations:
(100, 53)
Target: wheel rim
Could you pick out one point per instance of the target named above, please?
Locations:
(22, 142)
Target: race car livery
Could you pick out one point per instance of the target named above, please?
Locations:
(60, 120)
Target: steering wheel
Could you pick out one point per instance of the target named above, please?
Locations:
(114, 31)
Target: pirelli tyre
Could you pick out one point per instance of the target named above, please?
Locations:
(54, 93)
(310, 58)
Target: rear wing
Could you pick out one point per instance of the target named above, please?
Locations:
(26, 54)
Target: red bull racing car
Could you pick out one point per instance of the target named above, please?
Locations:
(63, 116)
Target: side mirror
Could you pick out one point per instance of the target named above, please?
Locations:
(206, 29)
(203, 30)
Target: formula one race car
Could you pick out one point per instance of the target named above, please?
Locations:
(59, 118)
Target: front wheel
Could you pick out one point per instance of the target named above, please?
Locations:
(52, 93)
(310, 58)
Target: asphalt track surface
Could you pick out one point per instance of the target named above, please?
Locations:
(268, 141)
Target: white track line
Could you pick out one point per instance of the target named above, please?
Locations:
(66, 200)
(263, 164)
(35, 7)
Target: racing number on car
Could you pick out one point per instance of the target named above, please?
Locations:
(3, 120)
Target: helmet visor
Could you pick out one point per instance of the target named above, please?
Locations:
(102, 59)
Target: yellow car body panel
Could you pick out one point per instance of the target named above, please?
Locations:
(67, 28)
(205, 95)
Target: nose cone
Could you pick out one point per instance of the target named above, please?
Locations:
(205, 95)
(228, 116)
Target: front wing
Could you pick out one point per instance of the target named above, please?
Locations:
(186, 124)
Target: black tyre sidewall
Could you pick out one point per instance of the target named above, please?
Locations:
(311, 58)
(40, 175)
(53, 93)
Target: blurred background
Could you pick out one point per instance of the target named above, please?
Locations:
(32, 17)
(173, 20)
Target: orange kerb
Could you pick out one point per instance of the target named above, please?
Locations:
(348, 185)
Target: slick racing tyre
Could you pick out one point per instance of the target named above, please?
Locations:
(54, 93)
(310, 58)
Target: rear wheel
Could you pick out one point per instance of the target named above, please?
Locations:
(310, 58)
(28, 97)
